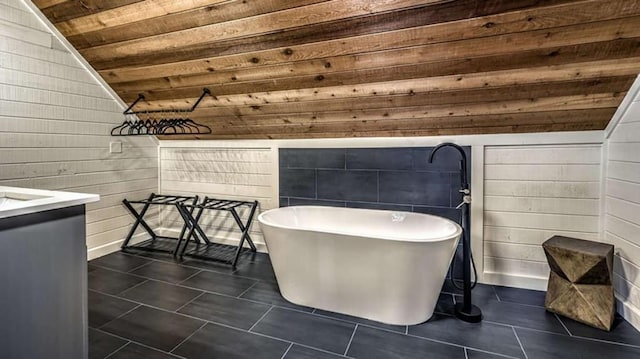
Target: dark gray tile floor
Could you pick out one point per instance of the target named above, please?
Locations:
(147, 305)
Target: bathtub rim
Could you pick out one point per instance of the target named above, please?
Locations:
(455, 234)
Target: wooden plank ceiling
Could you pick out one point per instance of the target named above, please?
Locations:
(343, 68)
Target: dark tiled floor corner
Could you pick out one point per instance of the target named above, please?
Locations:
(155, 307)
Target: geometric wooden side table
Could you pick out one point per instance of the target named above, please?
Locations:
(580, 283)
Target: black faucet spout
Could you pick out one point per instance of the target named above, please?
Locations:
(463, 162)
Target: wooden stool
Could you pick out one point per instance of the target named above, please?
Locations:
(580, 283)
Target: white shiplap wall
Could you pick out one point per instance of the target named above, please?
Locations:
(521, 180)
(532, 193)
(622, 209)
(242, 173)
(55, 120)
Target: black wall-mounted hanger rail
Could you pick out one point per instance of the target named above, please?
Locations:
(161, 125)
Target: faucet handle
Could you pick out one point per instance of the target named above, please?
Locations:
(466, 199)
(465, 191)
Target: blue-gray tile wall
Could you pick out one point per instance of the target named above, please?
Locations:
(348, 185)
(399, 179)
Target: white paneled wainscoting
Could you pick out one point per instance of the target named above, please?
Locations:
(622, 203)
(237, 173)
(55, 119)
(532, 193)
(526, 188)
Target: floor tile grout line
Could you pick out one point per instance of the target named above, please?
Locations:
(120, 316)
(138, 343)
(350, 340)
(191, 276)
(288, 341)
(182, 265)
(188, 287)
(246, 290)
(605, 341)
(262, 317)
(314, 313)
(496, 293)
(186, 315)
(134, 286)
(295, 343)
(449, 315)
(564, 326)
(138, 267)
(499, 301)
(562, 334)
(117, 350)
(490, 352)
(341, 320)
(437, 341)
(190, 301)
(520, 343)
(286, 351)
(189, 337)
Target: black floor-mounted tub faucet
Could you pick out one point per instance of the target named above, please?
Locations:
(465, 311)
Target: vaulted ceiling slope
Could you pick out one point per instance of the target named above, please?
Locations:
(342, 68)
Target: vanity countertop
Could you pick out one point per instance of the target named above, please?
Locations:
(15, 201)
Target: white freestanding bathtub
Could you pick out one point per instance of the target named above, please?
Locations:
(380, 265)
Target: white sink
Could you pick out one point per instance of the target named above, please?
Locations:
(16, 201)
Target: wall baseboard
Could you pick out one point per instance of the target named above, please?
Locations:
(510, 280)
(114, 246)
(628, 312)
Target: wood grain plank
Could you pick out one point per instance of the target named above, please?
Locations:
(569, 88)
(88, 35)
(325, 11)
(175, 62)
(433, 13)
(76, 8)
(383, 124)
(523, 128)
(563, 103)
(569, 72)
(41, 4)
(131, 13)
(461, 57)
